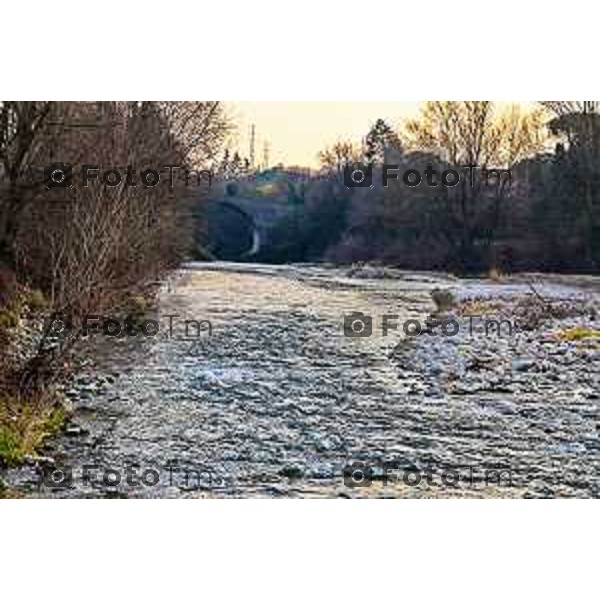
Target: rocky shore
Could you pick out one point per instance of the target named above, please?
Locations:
(527, 363)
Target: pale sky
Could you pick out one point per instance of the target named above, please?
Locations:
(297, 131)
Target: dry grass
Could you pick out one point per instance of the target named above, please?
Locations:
(495, 275)
(478, 307)
(577, 334)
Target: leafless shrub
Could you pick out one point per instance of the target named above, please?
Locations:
(531, 312)
(90, 248)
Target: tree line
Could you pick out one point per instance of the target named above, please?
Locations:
(547, 217)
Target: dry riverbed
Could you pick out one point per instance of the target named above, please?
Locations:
(280, 402)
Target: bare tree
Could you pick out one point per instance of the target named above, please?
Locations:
(90, 248)
(22, 128)
(334, 158)
(476, 133)
(198, 129)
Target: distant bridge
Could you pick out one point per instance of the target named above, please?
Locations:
(241, 216)
(241, 227)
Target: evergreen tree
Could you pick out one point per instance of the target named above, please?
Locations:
(379, 137)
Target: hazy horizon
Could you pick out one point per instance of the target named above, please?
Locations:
(297, 131)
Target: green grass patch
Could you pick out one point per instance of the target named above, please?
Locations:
(25, 425)
(11, 451)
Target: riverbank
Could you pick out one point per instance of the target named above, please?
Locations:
(278, 401)
(37, 374)
(28, 415)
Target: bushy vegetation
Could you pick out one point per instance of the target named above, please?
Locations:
(79, 249)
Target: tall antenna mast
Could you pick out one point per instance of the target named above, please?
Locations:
(266, 155)
(252, 141)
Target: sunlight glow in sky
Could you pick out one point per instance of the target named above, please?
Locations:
(297, 131)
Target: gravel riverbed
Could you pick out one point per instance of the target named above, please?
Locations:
(280, 402)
